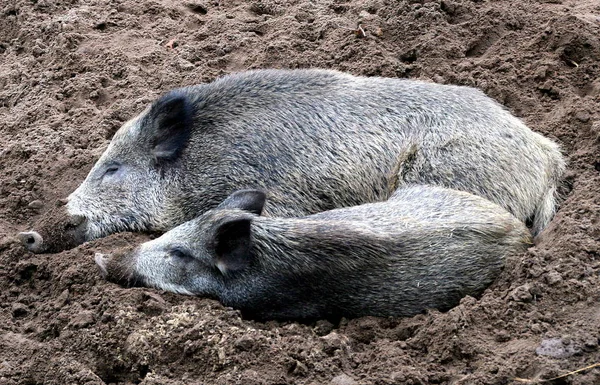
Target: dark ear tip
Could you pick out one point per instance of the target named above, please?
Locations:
(255, 194)
(173, 102)
(173, 96)
(251, 200)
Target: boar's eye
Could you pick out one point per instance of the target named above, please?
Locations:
(180, 254)
(111, 170)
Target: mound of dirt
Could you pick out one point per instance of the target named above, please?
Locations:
(73, 71)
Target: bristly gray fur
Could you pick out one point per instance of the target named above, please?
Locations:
(317, 140)
(426, 247)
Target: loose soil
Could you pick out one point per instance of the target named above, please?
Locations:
(71, 72)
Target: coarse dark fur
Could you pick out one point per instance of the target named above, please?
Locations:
(426, 247)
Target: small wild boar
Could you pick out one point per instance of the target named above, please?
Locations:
(316, 140)
(426, 247)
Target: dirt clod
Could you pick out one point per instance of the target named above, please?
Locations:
(343, 379)
(557, 348)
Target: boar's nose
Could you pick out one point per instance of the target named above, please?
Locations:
(32, 241)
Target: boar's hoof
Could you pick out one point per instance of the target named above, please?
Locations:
(101, 262)
(32, 241)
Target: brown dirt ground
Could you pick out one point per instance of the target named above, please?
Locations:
(72, 71)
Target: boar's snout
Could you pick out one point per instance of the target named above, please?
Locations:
(32, 241)
(56, 231)
(118, 268)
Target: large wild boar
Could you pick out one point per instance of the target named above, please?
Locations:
(317, 140)
(426, 247)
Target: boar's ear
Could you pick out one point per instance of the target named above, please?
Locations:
(169, 124)
(247, 200)
(232, 244)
